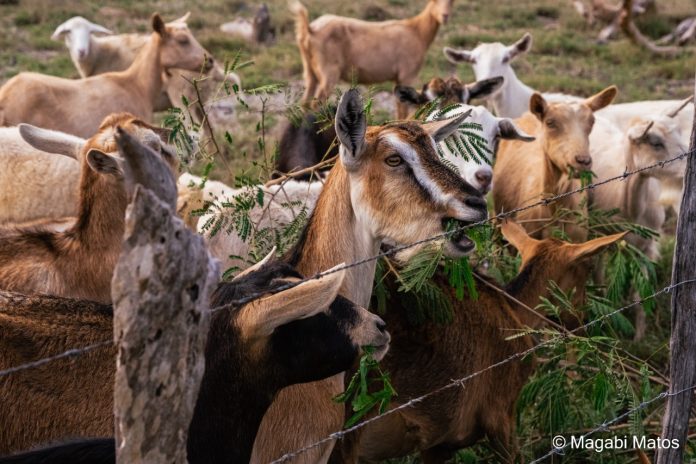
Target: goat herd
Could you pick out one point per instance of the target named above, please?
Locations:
(273, 366)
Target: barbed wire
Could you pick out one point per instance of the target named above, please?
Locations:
(606, 424)
(461, 381)
(340, 434)
(66, 354)
(502, 215)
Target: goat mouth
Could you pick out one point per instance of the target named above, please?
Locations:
(457, 237)
(379, 351)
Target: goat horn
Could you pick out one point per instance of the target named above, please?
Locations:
(681, 106)
(258, 265)
(645, 132)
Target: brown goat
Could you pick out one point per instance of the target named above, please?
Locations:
(450, 91)
(335, 48)
(71, 398)
(528, 172)
(77, 106)
(475, 339)
(79, 262)
(388, 184)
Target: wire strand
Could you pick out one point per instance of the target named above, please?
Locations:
(460, 382)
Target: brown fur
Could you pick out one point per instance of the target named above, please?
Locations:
(529, 172)
(336, 48)
(474, 340)
(363, 202)
(77, 106)
(78, 261)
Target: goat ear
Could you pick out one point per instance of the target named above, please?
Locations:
(440, 130)
(101, 30)
(521, 46)
(258, 265)
(158, 25)
(351, 127)
(409, 95)
(458, 56)
(305, 300)
(538, 106)
(592, 247)
(103, 163)
(602, 99)
(485, 87)
(509, 131)
(61, 31)
(518, 237)
(50, 141)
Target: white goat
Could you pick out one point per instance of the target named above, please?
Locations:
(94, 54)
(512, 99)
(35, 184)
(474, 171)
(281, 205)
(647, 141)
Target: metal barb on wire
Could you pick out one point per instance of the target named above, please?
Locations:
(502, 215)
(460, 382)
(66, 354)
(605, 425)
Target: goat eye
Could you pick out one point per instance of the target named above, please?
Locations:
(183, 40)
(394, 160)
(550, 123)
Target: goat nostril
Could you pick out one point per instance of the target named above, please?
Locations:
(484, 177)
(381, 325)
(583, 160)
(475, 202)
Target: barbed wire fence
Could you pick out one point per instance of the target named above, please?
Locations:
(76, 352)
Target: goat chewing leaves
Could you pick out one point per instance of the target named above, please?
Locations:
(358, 391)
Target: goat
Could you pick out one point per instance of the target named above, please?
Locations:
(79, 262)
(647, 141)
(94, 55)
(280, 208)
(335, 48)
(93, 48)
(34, 183)
(495, 59)
(476, 338)
(449, 92)
(252, 351)
(534, 170)
(475, 171)
(77, 106)
(388, 184)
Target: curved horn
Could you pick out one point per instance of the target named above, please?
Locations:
(257, 266)
(681, 106)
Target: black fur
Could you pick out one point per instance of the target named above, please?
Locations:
(305, 145)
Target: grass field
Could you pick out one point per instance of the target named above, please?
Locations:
(564, 58)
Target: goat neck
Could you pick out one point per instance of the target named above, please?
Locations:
(425, 24)
(337, 233)
(146, 70)
(512, 101)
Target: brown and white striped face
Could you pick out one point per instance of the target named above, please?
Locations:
(399, 186)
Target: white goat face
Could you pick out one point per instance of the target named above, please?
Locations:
(76, 32)
(479, 173)
(491, 59)
(656, 139)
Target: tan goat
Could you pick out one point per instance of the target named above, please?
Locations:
(388, 184)
(529, 172)
(79, 261)
(34, 183)
(77, 106)
(336, 47)
(429, 355)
